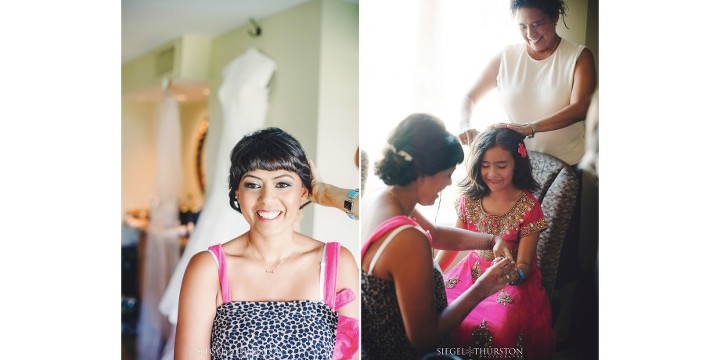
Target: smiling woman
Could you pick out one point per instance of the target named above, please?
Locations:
(259, 295)
(271, 196)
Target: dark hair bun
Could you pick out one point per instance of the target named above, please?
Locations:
(419, 145)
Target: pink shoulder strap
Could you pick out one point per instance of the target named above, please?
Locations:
(386, 226)
(222, 273)
(332, 299)
(347, 334)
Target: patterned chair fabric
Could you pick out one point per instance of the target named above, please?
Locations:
(557, 193)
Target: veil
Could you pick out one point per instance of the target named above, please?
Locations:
(162, 246)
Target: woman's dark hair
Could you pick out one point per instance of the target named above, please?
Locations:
(473, 186)
(419, 145)
(268, 149)
(552, 8)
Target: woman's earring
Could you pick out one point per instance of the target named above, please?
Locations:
(234, 201)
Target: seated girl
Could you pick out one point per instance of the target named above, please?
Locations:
(496, 199)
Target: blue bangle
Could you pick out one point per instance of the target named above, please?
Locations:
(521, 277)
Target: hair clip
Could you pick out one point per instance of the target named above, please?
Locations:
(402, 153)
(522, 151)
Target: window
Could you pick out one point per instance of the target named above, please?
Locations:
(423, 56)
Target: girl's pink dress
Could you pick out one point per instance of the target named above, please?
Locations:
(515, 321)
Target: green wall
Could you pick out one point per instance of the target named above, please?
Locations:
(312, 43)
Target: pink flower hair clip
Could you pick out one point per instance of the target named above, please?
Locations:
(522, 150)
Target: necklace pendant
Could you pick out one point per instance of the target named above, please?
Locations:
(262, 260)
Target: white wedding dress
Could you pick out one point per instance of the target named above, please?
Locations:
(243, 95)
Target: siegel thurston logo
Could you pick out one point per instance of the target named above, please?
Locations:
(487, 353)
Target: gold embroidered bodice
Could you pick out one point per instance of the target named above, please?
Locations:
(503, 224)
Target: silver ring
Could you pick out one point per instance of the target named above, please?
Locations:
(507, 276)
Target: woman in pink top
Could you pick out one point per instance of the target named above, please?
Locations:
(271, 292)
(404, 307)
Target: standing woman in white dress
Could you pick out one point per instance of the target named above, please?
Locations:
(545, 84)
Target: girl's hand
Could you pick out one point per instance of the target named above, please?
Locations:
(501, 250)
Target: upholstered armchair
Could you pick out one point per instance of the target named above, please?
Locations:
(557, 193)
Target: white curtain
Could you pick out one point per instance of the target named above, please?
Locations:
(427, 63)
(243, 95)
(162, 246)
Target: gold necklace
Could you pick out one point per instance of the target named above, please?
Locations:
(257, 256)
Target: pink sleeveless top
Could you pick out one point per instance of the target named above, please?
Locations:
(384, 334)
(235, 317)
